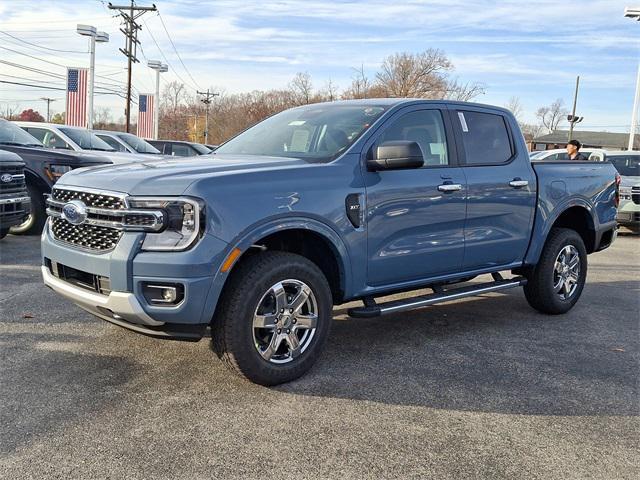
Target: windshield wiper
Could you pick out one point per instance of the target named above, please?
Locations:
(101, 149)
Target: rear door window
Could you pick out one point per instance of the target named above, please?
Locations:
(485, 137)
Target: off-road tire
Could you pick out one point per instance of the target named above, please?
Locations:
(539, 289)
(232, 326)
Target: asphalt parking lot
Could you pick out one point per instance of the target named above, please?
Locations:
(479, 388)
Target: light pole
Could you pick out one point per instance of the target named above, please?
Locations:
(573, 119)
(48, 100)
(94, 36)
(631, 12)
(159, 68)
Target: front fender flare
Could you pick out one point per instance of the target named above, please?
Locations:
(250, 236)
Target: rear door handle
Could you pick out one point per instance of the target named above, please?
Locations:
(518, 183)
(449, 187)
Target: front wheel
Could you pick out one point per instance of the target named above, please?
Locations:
(556, 283)
(274, 317)
(34, 223)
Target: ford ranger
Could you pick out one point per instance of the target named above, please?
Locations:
(321, 205)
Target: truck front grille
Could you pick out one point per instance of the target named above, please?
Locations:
(91, 199)
(17, 184)
(635, 195)
(92, 237)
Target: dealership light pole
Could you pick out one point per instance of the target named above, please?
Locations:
(94, 36)
(634, 12)
(159, 68)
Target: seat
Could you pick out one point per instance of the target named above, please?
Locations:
(424, 138)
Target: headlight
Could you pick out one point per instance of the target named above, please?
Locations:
(54, 172)
(183, 220)
(625, 190)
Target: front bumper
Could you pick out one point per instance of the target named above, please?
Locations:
(14, 210)
(127, 269)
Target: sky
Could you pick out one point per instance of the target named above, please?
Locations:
(532, 49)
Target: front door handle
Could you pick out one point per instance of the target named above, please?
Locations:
(449, 187)
(518, 183)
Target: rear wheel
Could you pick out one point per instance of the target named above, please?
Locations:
(274, 317)
(37, 216)
(557, 281)
(3, 233)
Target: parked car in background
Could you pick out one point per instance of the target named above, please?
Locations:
(14, 198)
(78, 139)
(628, 166)
(179, 148)
(127, 142)
(555, 154)
(43, 167)
(321, 205)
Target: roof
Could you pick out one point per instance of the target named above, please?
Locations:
(590, 138)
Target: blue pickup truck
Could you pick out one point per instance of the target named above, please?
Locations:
(317, 206)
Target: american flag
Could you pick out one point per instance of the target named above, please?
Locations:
(76, 97)
(145, 116)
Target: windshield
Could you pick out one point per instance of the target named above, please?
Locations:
(86, 140)
(318, 133)
(138, 144)
(626, 165)
(11, 134)
(534, 155)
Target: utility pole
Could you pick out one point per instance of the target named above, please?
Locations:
(634, 13)
(130, 13)
(208, 96)
(572, 119)
(48, 100)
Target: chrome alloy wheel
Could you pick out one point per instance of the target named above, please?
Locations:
(285, 320)
(566, 272)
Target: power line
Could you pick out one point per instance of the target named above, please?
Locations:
(171, 69)
(175, 50)
(41, 47)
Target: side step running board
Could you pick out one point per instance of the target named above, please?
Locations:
(372, 310)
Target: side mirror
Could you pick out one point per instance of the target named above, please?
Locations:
(396, 155)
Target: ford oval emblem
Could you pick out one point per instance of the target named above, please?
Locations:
(6, 178)
(74, 212)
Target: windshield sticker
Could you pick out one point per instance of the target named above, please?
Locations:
(463, 122)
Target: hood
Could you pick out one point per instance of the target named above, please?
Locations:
(120, 157)
(629, 181)
(64, 157)
(170, 177)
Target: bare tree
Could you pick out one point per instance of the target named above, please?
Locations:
(515, 107)
(301, 87)
(421, 75)
(102, 117)
(463, 92)
(330, 91)
(552, 115)
(360, 85)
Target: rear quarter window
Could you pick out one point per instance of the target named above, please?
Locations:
(485, 137)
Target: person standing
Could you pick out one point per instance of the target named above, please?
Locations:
(573, 151)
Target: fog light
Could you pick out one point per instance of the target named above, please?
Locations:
(163, 294)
